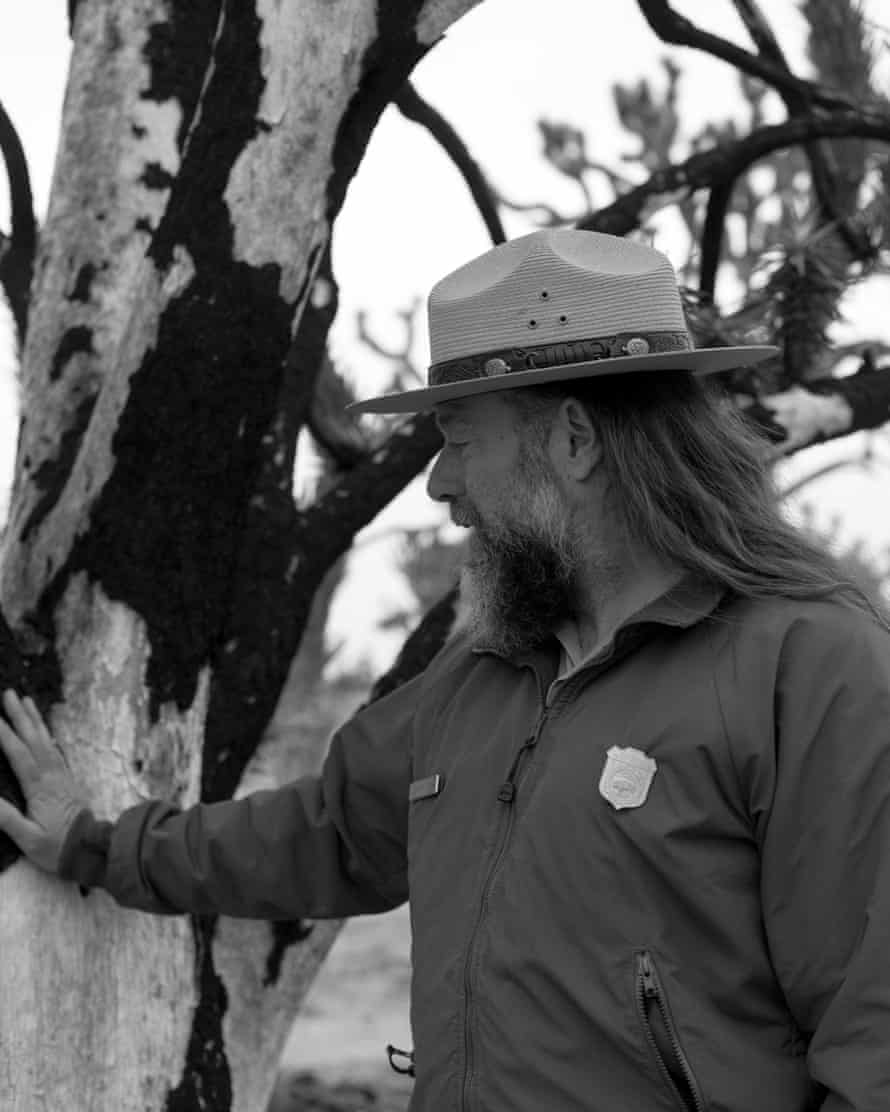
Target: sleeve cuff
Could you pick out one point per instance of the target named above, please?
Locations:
(84, 855)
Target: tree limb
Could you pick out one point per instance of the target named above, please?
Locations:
(17, 254)
(335, 434)
(325, 530)
(760, 31)
(550, 217)
(421, 646)
(826, 409)
(712, 238)
(799, 96)
(718, 203)
(801, 104)
(405, 370)
(722, 163)
(413, 107)
(671, 27)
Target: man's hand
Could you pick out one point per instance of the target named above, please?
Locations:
(54, 798)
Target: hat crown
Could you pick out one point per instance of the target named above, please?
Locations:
(555, 286)
(559, 305)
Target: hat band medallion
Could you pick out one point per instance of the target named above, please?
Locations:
(495, 367)
(511, 360)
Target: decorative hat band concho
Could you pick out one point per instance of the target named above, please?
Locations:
(491, 363)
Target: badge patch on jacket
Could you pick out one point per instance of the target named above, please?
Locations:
(627, 776)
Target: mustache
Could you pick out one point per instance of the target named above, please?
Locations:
(465, 515)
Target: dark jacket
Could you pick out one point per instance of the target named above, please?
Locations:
(722, 943)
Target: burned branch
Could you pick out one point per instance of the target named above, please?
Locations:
(824, 184)
(413, 107)
(673, 28)
(18, 249)
(421, 646)
(705, 169)
(712, 238)
(334, 431)
(823, 409)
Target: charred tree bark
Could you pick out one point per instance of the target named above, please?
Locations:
(17, 249)
(176, 330)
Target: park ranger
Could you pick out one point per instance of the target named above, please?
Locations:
(640, 801)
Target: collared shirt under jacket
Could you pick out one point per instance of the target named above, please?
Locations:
(593, 932)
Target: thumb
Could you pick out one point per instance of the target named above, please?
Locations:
(17, 826)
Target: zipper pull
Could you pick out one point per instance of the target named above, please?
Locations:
(650, 985)
(507, 791)
(393, 1051)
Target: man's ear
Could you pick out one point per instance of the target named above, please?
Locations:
(579, 444)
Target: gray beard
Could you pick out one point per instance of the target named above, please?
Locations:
(516, 587)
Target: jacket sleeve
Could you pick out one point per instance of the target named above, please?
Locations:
(824, 831)
(321, 847)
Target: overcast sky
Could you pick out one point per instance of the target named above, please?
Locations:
(408, 218)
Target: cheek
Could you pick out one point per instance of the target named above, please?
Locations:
(494, 501)
(481, 491)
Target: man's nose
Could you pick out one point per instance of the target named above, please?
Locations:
(445, 482)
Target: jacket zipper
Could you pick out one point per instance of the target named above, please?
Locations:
(506, 794)
(650, 994)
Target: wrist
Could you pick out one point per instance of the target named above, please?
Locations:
(84, 853)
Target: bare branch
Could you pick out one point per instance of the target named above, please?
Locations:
(421, 646)
(760, 31)
(824, 183)
(325, 530)
(413, 107)
(17, 259)
(406, 371)
(828, 408)
(712, 238)
(705, 169)
(551, 218)
(334, 430)
(671, 27)
(867, 350)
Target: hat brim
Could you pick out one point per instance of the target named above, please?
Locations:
(698, 362)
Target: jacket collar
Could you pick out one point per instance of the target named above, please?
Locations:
(690, 600)
(686, 603)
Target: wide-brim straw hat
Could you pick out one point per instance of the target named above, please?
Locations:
(553, 306)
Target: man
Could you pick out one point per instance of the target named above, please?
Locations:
(640, 802)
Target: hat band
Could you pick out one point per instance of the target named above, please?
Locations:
(491, 363)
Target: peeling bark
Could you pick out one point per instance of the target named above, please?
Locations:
(169, 364)
(100, 218)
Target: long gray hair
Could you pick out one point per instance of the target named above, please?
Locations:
(689, 478)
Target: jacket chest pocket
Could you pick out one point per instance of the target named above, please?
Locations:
(662, 1035)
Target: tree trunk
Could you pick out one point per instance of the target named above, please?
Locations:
(205, 150)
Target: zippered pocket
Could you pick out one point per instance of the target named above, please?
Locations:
(661, 1034)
